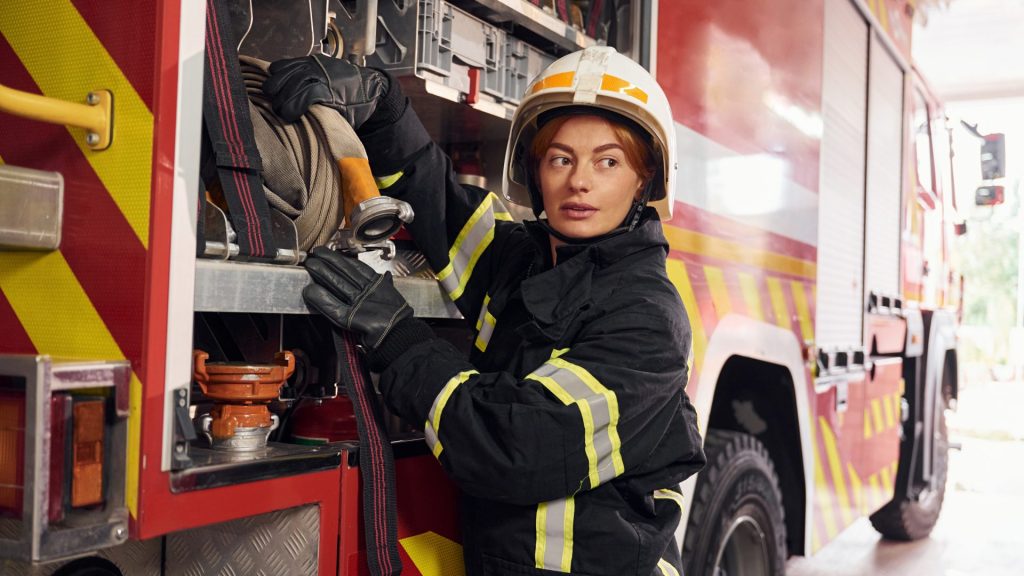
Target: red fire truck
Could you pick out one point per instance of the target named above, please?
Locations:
(810, 244)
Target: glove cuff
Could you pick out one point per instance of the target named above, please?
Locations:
(403, 336)
(389, 107)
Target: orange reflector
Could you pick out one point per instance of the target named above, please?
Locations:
(12, 451)
(615, 84)
(87, 468)
(560, 80)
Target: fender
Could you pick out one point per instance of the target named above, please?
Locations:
(940, 337)
(738, 335)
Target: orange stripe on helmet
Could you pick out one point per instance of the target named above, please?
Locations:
(616, 84)
(560, 80)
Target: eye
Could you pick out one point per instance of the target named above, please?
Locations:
(608, 162)
(559, 161)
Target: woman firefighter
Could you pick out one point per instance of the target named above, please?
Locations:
(567, 429)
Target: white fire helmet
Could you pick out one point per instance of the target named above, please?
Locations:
(602, 78)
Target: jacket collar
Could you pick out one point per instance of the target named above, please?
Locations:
(558, 294)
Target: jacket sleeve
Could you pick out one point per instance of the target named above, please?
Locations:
(591, 413)
(458, 228)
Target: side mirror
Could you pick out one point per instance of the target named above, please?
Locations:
(993, 156)
(989, 195)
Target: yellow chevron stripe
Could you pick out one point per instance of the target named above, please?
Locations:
(876, 492)
(876, 411)
(822, 490)
(883, 16)
(815, 539)
(705, 245)
(887, 405)
(434, 555)
(751, 296)
(719, 292)
(857, 487)
(779, 304)
(802, 310)
(39, 32)
(61, 321)
(897, 409)
(836, 467)
(893, 468)
(678, 275)
(886, 481)
(867, 424)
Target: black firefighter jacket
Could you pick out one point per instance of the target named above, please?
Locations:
(567, 430)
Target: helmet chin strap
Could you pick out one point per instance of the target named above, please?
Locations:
(628, 224)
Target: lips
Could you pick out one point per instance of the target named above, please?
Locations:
(577, 210)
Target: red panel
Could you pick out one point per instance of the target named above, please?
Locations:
(133, 52)
(153, 484)
(747, 74)
(99, 245)
(15, 340)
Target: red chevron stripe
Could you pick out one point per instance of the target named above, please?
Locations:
(15, 340)
(99, 245)
(121, 37)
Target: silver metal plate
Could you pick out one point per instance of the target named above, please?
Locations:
(282, 543)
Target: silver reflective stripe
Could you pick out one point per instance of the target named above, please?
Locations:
(666, 568)
(554, 534)
(476, 235)
(484, 326)
(433, 425)
(599, 407)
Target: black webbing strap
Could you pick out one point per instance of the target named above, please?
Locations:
(229, 128)
(376, 463)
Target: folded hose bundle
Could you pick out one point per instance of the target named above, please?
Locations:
(315, 170)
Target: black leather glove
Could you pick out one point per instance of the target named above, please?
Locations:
(295, 84)
(354, 297)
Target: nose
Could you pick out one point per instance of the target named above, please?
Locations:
(581, 178)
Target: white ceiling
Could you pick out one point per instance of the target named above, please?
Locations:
(972, 49)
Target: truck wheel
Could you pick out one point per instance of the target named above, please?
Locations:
(912, 514)
(736, 523)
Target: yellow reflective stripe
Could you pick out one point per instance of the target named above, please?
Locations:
(719, 292)
(737, 252)
(666, 568)
(41, 287)
(567, 527)
(85, 65)
(613, 407)
(554, 527)
(681, 279)
(560, 80)
(599, 410)
(540, 549)
(476, 235)
(484, 326)
(779, 304)
(433, 426)
(669, 494)
(836, 468)
(751, 296)
(385, 182)
(802, 310)
(588, 422)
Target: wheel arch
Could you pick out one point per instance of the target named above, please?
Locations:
(742, 352)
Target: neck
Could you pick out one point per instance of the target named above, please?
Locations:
(555, 243)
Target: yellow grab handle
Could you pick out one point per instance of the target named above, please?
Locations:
(96, 116)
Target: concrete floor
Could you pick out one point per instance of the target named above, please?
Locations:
(980, 530)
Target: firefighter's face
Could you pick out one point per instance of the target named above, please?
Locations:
(585, 180)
